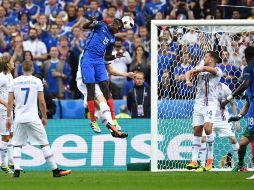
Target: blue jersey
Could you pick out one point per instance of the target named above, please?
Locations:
(248, 74)
(99, 41)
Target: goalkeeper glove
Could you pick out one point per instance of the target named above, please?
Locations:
(235, 118)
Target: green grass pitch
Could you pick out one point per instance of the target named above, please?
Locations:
(129, 180)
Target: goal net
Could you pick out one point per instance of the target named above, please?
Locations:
(176, 47)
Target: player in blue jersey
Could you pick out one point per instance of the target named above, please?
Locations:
(98, 49)
(248, 83)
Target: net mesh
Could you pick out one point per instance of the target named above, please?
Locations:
(180, 49)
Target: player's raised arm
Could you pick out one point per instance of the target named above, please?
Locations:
(209, 69)
(90, 24)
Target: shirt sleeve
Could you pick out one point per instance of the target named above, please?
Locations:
(219, 72)
(246, 73)
(40, 86)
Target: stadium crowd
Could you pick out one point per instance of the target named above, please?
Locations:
(50, 34)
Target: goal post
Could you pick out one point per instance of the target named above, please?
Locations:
(172, 105)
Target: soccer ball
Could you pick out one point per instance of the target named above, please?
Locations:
(128, 22)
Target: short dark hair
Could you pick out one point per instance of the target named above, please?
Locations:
(214, 55)
(249, 53)
(4, 60)
(27, 66)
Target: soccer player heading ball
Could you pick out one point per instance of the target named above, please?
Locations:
(99, 46)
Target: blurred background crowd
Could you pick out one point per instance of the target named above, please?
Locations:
(50, 34)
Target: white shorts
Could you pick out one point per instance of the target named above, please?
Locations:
(223, 129)
(82, 88)
(203, 114)
(3, 130)
(33, 132)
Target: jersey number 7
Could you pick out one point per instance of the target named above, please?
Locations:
(27, 90)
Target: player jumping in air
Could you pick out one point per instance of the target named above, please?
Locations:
(6, 66)
(25, 91)
(99, 46)
(102, 109)
(248, 83)
(205, 106)
(221, 125)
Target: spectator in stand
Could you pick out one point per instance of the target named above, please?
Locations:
(33, 10)
(3, 20)
(164, 89)
(23, 24)
(52, 39)
(17, 50)
(120, 64)
(145, 39)
(55, 72)
(252, 14)
(154, 6)
(140, 62)
(139, 16)
(72, 16)
(52, 8)
(94, 11)
(165, 36)
(129, 42)
(243, 65)
(36, 46)
(183, 91)
(229, 71)
(235, 54)
(64, 51)
(27, 57)
(110, 14)
(120, 8)
(182, 11)
(42, 21)
(191, 36)
(236, 14)
(139, 98)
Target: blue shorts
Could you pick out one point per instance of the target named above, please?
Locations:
(93, 71)
(250, 117)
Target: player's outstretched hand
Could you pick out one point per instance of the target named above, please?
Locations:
(234, 118)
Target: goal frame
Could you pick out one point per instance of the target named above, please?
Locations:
(154, 70)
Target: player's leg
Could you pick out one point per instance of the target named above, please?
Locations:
(235, 145)
(10, 152)
(197, 123)
(19, 139)
(202, 153)
(37, 136)
(208, 126)
(3, 146)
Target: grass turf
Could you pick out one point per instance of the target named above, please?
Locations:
(130, 180)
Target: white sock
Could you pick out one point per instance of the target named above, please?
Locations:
(202, 154)
(17, 157)
(3, 152)
(105, 111)
(235, 148)
(10, 152)
(210, 142)
(101, 117)
(195, 147)
(48, 155)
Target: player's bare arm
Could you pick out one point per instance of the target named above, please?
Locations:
(42, 106)
(234, 110)
(9, 109)
(89, 25)
(3, 102)
(114, 72)
(211, 70)
(188, 75)
(237, 92)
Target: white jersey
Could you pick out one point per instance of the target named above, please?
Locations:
(223, 92)
(206, 88)
(5, 84)
(25, 89)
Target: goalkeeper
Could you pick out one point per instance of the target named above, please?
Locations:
(245, 139)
